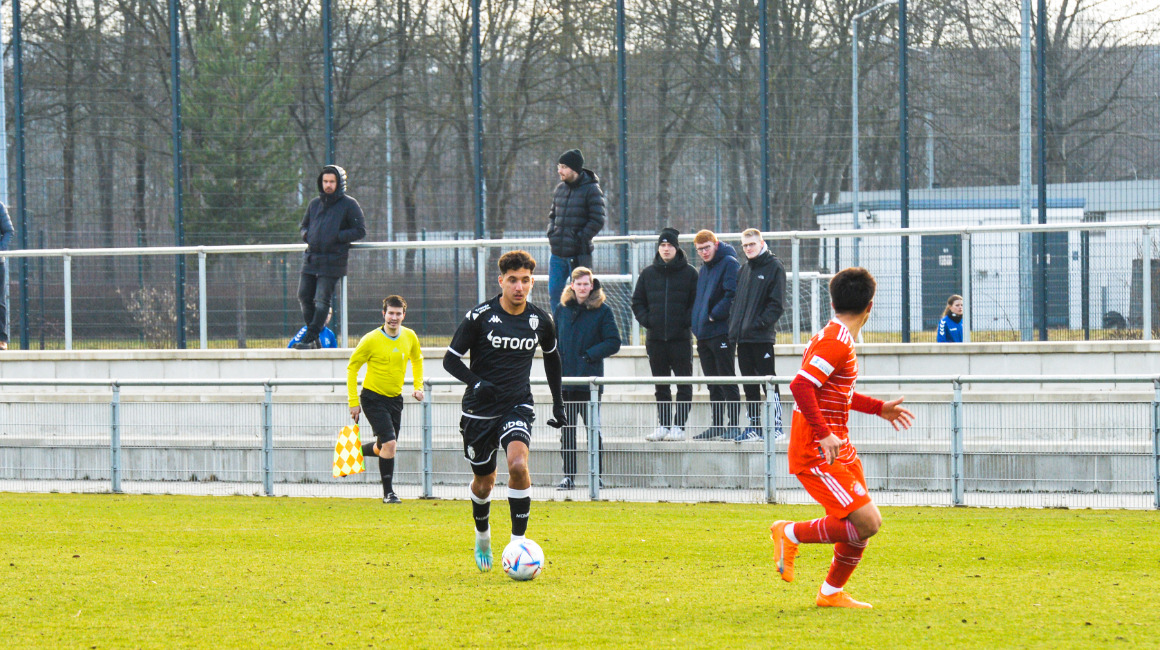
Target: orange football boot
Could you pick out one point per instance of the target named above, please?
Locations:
(841, 599)
(784, 551)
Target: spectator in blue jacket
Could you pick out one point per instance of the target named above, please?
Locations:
(6, 232)
(325, 337)
(950, 328)
(587, 335)
(716, 287)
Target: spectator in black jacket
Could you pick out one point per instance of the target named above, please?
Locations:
(577, 215)
(716, 286)
(587, 335)
(759, 302)
(663, 303)
(333, 220)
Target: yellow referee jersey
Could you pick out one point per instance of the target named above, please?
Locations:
(386, 361)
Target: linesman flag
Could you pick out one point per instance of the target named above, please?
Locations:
(348, 456)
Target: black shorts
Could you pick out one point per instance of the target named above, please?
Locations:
(384, 413)
(481, 438)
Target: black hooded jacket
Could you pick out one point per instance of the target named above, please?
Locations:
(577, 215)
(331, 223)
(759, 301)
(663, 298)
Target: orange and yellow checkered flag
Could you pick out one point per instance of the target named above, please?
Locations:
(348, 456)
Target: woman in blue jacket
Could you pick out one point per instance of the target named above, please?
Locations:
(950, 328)
(587, 334)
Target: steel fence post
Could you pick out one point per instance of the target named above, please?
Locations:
(345, 316)
(767, 437)
(480, 280)
(115, 439)
(966, 263)
(1156, 441)
(795, 260)
(1146, 285)
(634, 270)
(815, 306)
(268, 440)
(202, 317)
(68, 329)
(425, 443)
(592, 423)
(957, 444)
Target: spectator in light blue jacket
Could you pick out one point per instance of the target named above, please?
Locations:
(6, 232)
(950, 328)
(325, 337)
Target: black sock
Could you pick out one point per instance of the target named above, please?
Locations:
(480, 511)
(520, 503)
(368, 449)
(387, 471)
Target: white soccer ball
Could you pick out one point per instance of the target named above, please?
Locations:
(523, 560)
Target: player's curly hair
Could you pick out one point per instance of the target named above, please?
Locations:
(851, 290)
(516, 260)
(398, 302)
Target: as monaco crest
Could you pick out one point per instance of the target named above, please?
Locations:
(534, 321)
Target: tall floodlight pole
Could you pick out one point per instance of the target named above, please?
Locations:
(904, 168)
(477, 118)
(855, 163)
(328, 81)
(763, 38)
(178, 214)
(622, 130)
(21, 208)
(1026, 283)
(1041, 44)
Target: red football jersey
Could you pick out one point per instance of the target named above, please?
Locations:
(830, 364)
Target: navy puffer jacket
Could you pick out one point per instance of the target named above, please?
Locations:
(716, 286)
(587, 334)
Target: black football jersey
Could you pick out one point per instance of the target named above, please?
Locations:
(502, 348)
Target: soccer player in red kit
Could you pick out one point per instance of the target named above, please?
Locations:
(820, 452)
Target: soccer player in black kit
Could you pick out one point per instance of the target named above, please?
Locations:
(501, 335)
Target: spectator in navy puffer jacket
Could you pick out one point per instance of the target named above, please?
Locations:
(587, 334)
(716, 287)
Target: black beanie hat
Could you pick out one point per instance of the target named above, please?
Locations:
(573, 159)
(669, 235)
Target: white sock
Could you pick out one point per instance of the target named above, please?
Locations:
(789, 534)
(483, 536)
(517, 538)
(827, 590)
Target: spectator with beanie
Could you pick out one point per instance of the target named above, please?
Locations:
(758, 304)
(716, 286)
(333, 220)
(662, 302)
(577, 215)
(587, 335)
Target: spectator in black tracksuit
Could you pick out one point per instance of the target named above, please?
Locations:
(716, 286)
(587, 335)
(663, 303)
(332, 222)
(577, 215)
(759, 303)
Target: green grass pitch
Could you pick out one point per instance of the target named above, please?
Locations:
(105, 571)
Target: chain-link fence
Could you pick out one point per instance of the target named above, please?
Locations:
(238, 104)
(1027, 448)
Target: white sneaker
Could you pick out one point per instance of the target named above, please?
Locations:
(675, 433)
(660, 434)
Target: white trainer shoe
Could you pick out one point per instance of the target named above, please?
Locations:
(675, 433)
(660, 434)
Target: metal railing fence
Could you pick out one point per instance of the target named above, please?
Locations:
(977, 272)
(1019, 448)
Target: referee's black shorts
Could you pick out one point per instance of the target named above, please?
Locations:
(384, 413)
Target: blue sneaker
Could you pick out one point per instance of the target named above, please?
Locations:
(483, 553)
(750, 434)
(730, 433)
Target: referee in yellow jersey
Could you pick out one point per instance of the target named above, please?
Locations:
(385, 352)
